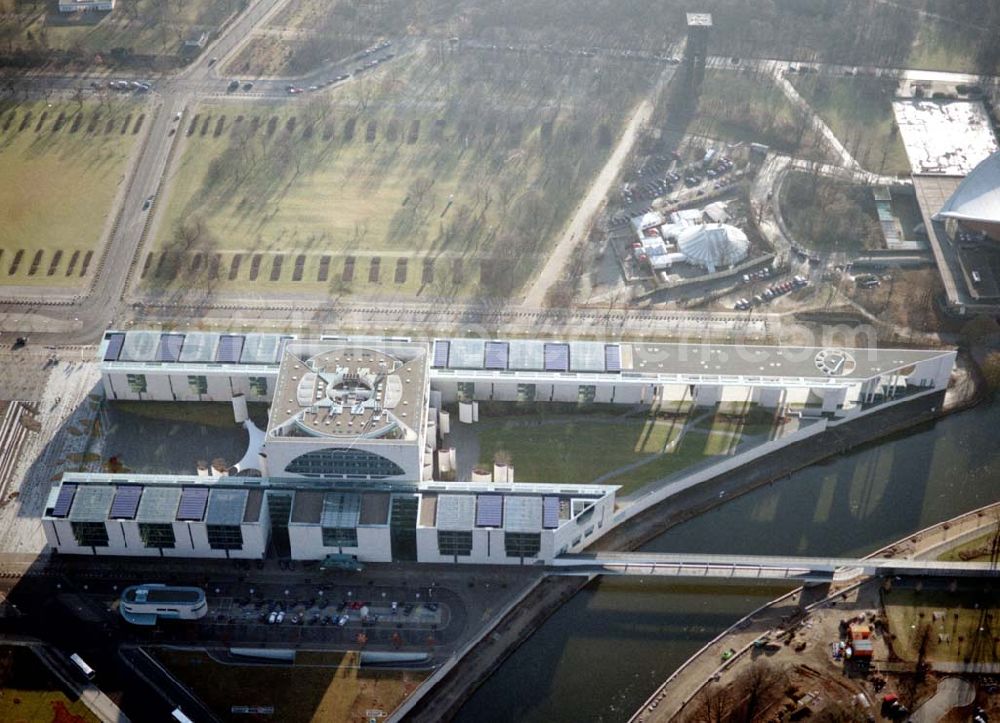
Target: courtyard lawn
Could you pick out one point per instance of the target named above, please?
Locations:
(61, 167)
(858, 110)
(566, 450)
(334, 692)
(582, 450)
(146, 27)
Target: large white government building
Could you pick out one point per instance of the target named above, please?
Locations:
(349, 461)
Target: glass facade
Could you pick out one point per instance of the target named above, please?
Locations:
(525, 392)
(154, 534)
(90, 534)
(522, 544)
(198, 384)
(225, 537)
(455, 543)
(258, 386)
(403, 528)
(136, 383)
(586, 394)
(336, 462)
(340, 537)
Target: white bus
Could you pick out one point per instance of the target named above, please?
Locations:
(82, 665)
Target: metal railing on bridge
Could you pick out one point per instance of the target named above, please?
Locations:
(761, 567)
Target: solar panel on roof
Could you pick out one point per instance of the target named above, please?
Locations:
(169, 349)
(612, 358)
(550, 512)
(496, 354)
(230, 349)
(64, 501)
(114, 348)
(489, 511)
(441, 354)
(126, 502)
(192, 506)
(556, 357)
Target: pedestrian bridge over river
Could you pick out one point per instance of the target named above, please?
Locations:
(748, 568)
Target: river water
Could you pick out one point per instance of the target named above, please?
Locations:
(601, 655)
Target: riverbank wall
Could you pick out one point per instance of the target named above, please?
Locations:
(683, 685)
(441, 696)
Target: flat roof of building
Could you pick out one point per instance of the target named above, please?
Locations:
(343, 391)
(946, 137)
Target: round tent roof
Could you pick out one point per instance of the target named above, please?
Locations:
(713, 245)
(977, 197)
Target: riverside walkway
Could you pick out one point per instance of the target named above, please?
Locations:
(748, 568)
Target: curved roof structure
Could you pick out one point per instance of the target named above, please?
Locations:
(977, 198)
(713, 245)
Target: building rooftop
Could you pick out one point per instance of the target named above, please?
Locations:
(349, 391)
(944, 137)
(977, 197)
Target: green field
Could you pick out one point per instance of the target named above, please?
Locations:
(312, 692)
(951, 626)
(58, 181)
(859, 112)
(143, 27)
(751, 108)
(580, 450)
(394, 185)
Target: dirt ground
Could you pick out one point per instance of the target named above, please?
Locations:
(796, 674)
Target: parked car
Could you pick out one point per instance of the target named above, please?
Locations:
(342, 620)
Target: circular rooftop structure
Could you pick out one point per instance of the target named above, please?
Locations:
(976, 201)
(713, 245)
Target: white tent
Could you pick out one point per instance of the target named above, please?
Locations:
(713, 245)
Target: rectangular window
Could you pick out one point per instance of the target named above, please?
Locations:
(455, 542)
(225, 537)
(586, 394)
(466, 391)
(90, 534)
(159, 535)
(198, 384)
(522, 544)
(340, 537)
(525, 392)
(136, 383)
(258, 386)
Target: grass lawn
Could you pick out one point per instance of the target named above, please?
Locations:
(569, 451)
(435, 177)
(153, 27)
(298, 693)
(959, 626)
(859, 112)
(736, 106)
(944, 46)
(30, 693)
(581, 450)
(829, 215)
(58, 181)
